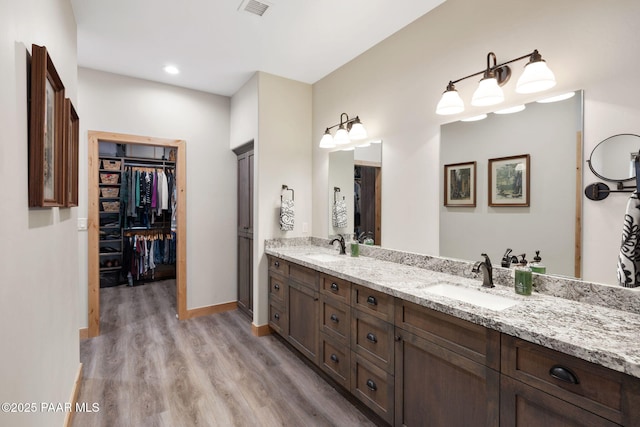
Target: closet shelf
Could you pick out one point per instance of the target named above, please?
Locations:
(110, 253)
(110, 241)
(110, 268)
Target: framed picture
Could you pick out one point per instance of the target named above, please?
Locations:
(509, 181)
(46, 132)
(460, 184)
(71, 143)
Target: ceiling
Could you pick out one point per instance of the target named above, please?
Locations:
(218, 46)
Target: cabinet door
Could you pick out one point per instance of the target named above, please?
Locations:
(437, 387)
(302, 318)
(523, 406)
(245, 274)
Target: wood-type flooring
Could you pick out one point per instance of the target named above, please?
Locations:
(149, 369)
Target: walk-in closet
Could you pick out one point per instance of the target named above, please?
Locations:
(137, 214)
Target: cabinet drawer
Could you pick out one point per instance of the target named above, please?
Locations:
(304, 276)
(277, 319)
(602, 391)
(335, 360)
(336, 319)
(373, 302)
(279, 265)
(372, 338)
(373, 386)
(276, 288)
(338, 289)
(473, 341)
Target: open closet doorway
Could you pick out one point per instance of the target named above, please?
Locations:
(94, 165)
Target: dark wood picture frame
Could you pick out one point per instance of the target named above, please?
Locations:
(71, 144)
(509, 181)
(46, 132)
(460, 184)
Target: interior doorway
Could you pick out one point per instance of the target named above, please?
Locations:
(93, 220)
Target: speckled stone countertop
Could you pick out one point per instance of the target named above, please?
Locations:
(598, 334)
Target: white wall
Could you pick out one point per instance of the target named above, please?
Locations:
(395, 86)
(283, 156)
(38, 254)
(244, 114)
(115, 103)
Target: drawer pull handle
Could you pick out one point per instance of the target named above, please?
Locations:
(276, 316)
(371, 300)
(277, 264)
(372, 338)
(334, 287)
(334, 318)
(334, 358)
(563, 374)
(276, 287)
(371, 385)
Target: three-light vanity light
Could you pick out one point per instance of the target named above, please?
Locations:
(348, 130)
(536, 77)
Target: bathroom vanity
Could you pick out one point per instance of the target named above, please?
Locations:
(385, 332)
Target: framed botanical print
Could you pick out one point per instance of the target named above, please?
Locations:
(460, 184)
(46, 132)
(509, 179)
(71, 142)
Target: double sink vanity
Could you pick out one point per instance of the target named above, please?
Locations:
(418, 340)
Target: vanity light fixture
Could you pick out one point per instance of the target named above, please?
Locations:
(535, 78)
(348, 130)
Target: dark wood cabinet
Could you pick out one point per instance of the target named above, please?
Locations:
(302, 307)
(438, 387)
(524, 406)
(245, 228)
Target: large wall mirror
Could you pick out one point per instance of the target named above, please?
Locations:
(355, 197)
(551, 135)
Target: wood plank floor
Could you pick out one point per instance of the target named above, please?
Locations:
(149, 369)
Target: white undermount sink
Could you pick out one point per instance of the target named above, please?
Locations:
(325, 257)
(472, 296)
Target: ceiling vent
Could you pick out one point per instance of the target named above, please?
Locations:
(254, 6)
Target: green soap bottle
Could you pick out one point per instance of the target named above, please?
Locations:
(537, 266)
(523, 280)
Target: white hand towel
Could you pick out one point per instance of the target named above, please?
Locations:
(340, 214)
(629, 257)
(287, 213)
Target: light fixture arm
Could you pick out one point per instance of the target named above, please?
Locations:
(534, 56)
(346, 122)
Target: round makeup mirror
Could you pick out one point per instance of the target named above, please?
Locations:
(613, 159)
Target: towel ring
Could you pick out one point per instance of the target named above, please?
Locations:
(286, 188)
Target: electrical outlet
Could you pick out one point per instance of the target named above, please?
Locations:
(82, 224)
(305, 227)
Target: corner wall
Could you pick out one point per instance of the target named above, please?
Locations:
(395, 86)
(39, 254)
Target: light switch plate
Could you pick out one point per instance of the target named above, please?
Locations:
(82, 224)
(305, 227)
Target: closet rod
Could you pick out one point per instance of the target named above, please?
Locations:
(151, 166)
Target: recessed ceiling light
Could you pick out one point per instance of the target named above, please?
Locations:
(171, 69)
(475, 118)
(556, 98)
(511, 110)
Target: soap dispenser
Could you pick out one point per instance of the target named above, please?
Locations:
(523, 280)
(537, 266)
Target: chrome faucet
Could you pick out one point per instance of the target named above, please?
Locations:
(343, 246)
(487, 271)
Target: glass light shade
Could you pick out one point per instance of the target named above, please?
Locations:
(474, 118)
(556, 98)
(535, 78)
(327, 141)
(510, 110)
(341, 137)
(450, 103)
(357, 132)
(488, 93)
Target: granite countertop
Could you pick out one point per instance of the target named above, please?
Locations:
(601, 335)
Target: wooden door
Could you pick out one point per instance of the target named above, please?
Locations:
(245, 228)
(302, 317)
(368, 201)
(438, 387)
